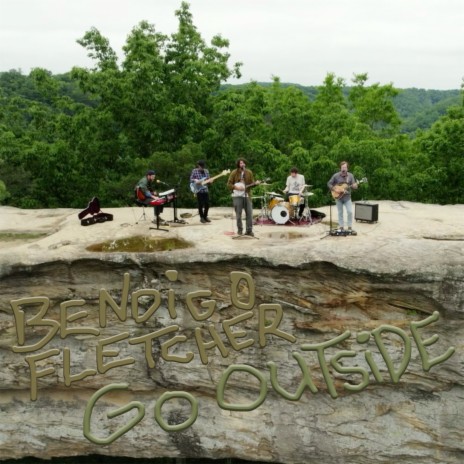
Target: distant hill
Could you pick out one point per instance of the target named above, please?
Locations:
(418, 108)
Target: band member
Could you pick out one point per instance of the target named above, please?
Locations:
(240, 182)
(198, 175)
(341, 184)
(147, 195)
(295, 186)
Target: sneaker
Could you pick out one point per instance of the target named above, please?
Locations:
(203, 220)
(207, 220)
(351, 231)
(250, 233)
(240, 232)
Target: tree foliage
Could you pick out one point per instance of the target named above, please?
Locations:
(163, 105)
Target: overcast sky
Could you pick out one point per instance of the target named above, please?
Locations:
(410, 43)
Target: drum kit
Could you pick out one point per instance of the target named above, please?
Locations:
(276, 209)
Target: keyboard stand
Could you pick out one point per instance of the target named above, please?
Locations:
(158, 225)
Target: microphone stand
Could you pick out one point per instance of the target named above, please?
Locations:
(330, 219)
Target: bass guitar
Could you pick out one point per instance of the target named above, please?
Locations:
(242, 191)
(195, 187)
(339, 190)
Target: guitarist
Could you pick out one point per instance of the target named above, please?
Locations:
(198, 176)
(240, 182)
(341, 184)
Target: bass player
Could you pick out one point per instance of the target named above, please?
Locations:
(340, 185)
(240, 182)
(198, 177)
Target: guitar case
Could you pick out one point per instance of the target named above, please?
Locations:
(97, 215)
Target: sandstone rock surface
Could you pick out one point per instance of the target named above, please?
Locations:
(365, 364)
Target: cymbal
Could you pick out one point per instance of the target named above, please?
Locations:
(273, 193)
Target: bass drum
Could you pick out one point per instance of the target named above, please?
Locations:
(280, 214)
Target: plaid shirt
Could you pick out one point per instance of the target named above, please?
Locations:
(200, 174)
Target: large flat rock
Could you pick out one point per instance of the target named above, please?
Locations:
(409, 237)
(297, 346)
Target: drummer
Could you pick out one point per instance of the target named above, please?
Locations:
(295, 186)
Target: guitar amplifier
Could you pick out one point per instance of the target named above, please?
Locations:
(367, 212)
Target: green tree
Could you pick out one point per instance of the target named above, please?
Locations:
(332, 120)
(3, 192)
(443, 145)
(160, 98)
(289, 116)
(374, 106)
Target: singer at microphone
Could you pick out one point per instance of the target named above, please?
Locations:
(240, 182)
(146, 195)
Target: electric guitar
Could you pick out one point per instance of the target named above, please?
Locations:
(196, 187)
(339, 190)
(242, 193)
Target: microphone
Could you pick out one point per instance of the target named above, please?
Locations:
(161, 182)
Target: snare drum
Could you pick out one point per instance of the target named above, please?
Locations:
(280, 214)
(294, 200)
(274, 201)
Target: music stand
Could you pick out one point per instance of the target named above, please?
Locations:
(176, 220)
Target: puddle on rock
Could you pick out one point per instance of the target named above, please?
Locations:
(285, 235)
(11, 236)
(139, 244)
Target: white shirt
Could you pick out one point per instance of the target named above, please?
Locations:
(295, 184)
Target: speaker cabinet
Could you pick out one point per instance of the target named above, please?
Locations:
(367, 212)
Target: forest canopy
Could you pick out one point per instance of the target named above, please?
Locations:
(94, 132)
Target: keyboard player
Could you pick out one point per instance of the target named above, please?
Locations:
(146, 195)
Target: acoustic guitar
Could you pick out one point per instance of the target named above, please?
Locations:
(339, 190)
